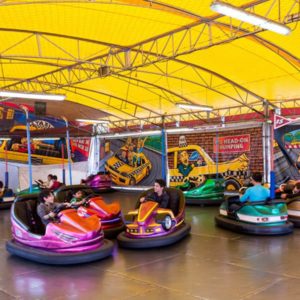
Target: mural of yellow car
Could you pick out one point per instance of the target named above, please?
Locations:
(124, 173)
(17, 150)
(191, 163)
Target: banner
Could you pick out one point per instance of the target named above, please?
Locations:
(232, 144)
(80, 148)
(287, 152)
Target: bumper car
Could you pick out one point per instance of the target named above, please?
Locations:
(210, 192)
(150, 226)
(293, 207)
(260, 218)
(7, 199)
(99, 183)
(109, 214)
(70, 240)
(36, 189)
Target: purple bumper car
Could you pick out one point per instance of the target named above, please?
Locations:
(99, 183)
(149, 226)
(70, 240)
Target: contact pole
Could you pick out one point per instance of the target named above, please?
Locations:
(25, 109)
(63, 163)
(272, 187)
(6, 169)
(217, 154)
(164, 162)
(163, 153)
(68, 149)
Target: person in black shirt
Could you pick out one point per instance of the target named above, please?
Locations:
(159, 194)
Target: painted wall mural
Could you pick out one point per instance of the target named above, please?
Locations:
(286, 149)
(193, 158)
(135, 161)
(43, 151)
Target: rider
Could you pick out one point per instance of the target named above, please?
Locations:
(2, 189)
(47, 184)
(257, 192)
(159, 194)
(78, 198)
(294, 194)
(47, 205)
(55, 183)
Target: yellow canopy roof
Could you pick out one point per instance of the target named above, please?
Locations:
(135, 60)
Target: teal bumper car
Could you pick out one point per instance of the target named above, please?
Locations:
(36, 189)
(259, 218)
(210, 192)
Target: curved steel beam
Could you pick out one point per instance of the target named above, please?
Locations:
(99, 101)
(120, 99)
(201, 85)
(182, 97)
(136, 3)
(155, 5)
(167, 90)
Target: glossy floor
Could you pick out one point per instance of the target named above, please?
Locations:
(211, 263)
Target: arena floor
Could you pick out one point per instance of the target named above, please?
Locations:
(211, 263)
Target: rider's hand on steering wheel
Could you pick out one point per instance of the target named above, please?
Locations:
(52, 214)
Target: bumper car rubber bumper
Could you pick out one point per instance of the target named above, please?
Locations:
(111, 233)
(295, 221)
(195, 201)
(102, 190)
(6, 204)
(53, 258)
(248, 228)
(153, 242)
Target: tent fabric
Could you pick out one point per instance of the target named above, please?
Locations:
(135, 60)
(79, 171)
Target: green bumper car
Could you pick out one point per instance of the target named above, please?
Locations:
(210, 192)
(35, 190)
(259, 218)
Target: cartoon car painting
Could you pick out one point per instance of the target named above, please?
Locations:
(191, 162)
(123, 172)
(41, 153)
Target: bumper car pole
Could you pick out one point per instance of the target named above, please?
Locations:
(272, 187)
(6, 178)
(217, 154)
(63, 164)
(68, 149)
(163, 152)
(25, 109)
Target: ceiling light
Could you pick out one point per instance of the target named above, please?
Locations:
(194, 106)
(5, 139)
(88, 121)
(13, 94)
(128, 134)
(46, 139)
(179, 130)
(245, 16)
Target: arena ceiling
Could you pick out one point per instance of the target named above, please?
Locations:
(134, 60)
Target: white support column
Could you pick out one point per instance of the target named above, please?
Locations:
(267, 150)
(94, 153)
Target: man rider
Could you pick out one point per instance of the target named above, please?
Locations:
(159, 194)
